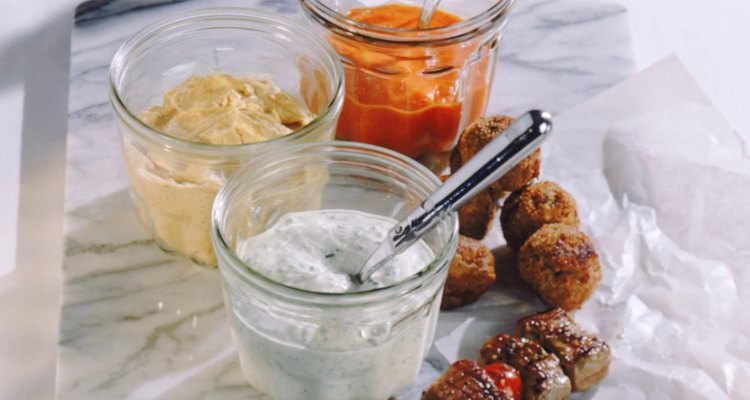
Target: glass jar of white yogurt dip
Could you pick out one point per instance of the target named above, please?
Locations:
(288, 229)
(173, 178)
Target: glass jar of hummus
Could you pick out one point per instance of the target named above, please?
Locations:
(197, 94)
(303, 329)
(410, 89)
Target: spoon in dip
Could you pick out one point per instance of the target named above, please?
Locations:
(425, 16)
(516, 142)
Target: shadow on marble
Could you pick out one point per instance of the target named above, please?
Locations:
(137, 322)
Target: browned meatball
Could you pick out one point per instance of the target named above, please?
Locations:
(560, 265)
(471, 273)
(476, 136)
(475, 217)
(527, 209)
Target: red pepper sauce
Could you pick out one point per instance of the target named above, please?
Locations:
(409, 98)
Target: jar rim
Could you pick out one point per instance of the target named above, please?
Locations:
(303, 296)
(474, 26)
(152, 32)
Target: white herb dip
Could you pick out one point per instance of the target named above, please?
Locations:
(325, 356)
(320, 250)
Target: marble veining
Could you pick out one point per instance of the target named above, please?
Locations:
(138, 323)
(94, 10)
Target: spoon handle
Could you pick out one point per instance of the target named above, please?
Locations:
(494, 160)
(425, 16)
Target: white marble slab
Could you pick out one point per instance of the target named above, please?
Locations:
(140, 324)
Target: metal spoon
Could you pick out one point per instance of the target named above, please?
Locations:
(425, 16)
(488, 165)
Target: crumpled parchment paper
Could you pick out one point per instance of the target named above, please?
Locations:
(663, 189)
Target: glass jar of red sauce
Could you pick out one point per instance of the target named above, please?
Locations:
(408, 89)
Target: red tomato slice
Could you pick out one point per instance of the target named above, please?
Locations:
(506, 378)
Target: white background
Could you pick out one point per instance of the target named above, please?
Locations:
(711, 38)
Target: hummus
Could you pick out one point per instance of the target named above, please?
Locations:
(227, 110)
(174, 193)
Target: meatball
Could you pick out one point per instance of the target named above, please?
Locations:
(527, 209)
(475, 217)
(476, 136)
(560, 265)
(471, 273)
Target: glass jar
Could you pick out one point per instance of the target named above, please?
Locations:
(300, 344)
(173, 181)
(413, 90)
